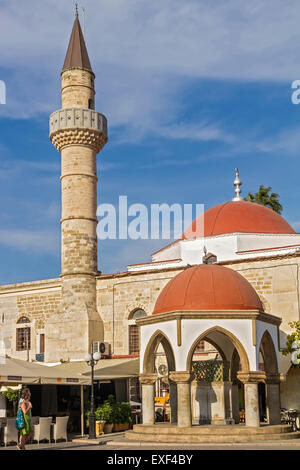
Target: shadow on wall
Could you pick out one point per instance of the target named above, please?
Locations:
(203, 398)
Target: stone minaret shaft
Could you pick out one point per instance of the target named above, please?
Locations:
(79, 133)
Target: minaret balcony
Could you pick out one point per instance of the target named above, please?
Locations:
(77, 125)
(78, 117)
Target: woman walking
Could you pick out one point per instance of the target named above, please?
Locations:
(26, 406)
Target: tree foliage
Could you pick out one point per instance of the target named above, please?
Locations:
(264, 198)
(294, 336)
(11, 395)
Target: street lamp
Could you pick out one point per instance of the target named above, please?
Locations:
(92, 361)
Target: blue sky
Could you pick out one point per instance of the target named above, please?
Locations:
(190, 90)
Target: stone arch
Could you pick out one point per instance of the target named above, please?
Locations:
(134, 311)
(236, 343)
(23, 319)
(133, 307)
(265, 303)
(268, 352)
(149, 357)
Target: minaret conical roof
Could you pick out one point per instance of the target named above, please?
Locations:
(77, 55)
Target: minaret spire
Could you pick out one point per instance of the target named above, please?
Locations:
(237, 183)
(77, 55)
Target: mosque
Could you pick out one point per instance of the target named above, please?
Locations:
(208, 316)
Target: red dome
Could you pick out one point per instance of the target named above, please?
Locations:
(238, 216)
(208, 287)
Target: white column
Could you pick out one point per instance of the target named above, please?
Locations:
(251, 405)
(183, 381)
(147, 381)
(251, 380)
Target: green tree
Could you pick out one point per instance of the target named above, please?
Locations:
(12, 396)
(293, 337)
(264, 197)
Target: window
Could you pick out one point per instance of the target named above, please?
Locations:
(134, 333)
(23, 320)
(134, 339)
(138, 313)
(23, 341)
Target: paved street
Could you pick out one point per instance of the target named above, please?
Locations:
(117, 442)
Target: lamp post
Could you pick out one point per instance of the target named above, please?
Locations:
(92, 361)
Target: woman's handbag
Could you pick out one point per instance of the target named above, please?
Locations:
(20, 422)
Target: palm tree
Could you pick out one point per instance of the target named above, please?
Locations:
(264, 197)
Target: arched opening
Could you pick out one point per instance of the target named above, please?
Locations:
(159, 359)
(267, 362)
(267, 355)
(217, 394)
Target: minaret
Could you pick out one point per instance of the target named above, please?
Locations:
(79, 133)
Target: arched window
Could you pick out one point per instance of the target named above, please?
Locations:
(133, 333)
(23, 320)
(23, 335)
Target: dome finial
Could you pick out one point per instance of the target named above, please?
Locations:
(76, 10)
(237, 183)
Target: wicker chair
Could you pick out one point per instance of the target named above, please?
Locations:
(60, 428)
(42, 430)
(10, 431)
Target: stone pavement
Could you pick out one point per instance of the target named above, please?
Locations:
(117, 441)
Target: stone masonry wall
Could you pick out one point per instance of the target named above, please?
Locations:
(35, 300)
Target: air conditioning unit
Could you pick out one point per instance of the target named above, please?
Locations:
(100, 347)
(162, 370)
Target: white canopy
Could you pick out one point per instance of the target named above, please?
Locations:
(106, 369)
(16, 371)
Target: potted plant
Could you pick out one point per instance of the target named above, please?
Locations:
(107, 409)
(100, 421)
(121, 416)
(107, 414)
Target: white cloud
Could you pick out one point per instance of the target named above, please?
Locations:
(144, 53)
(296, 225)
(31, 240)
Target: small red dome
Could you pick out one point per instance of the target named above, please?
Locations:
(235, 217)
(208, 287)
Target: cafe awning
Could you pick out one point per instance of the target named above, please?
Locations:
(121, 369)
(14, 371)
(106, 369)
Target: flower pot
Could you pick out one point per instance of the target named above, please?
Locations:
(120, 427)
(108, 428)
(99, 427)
